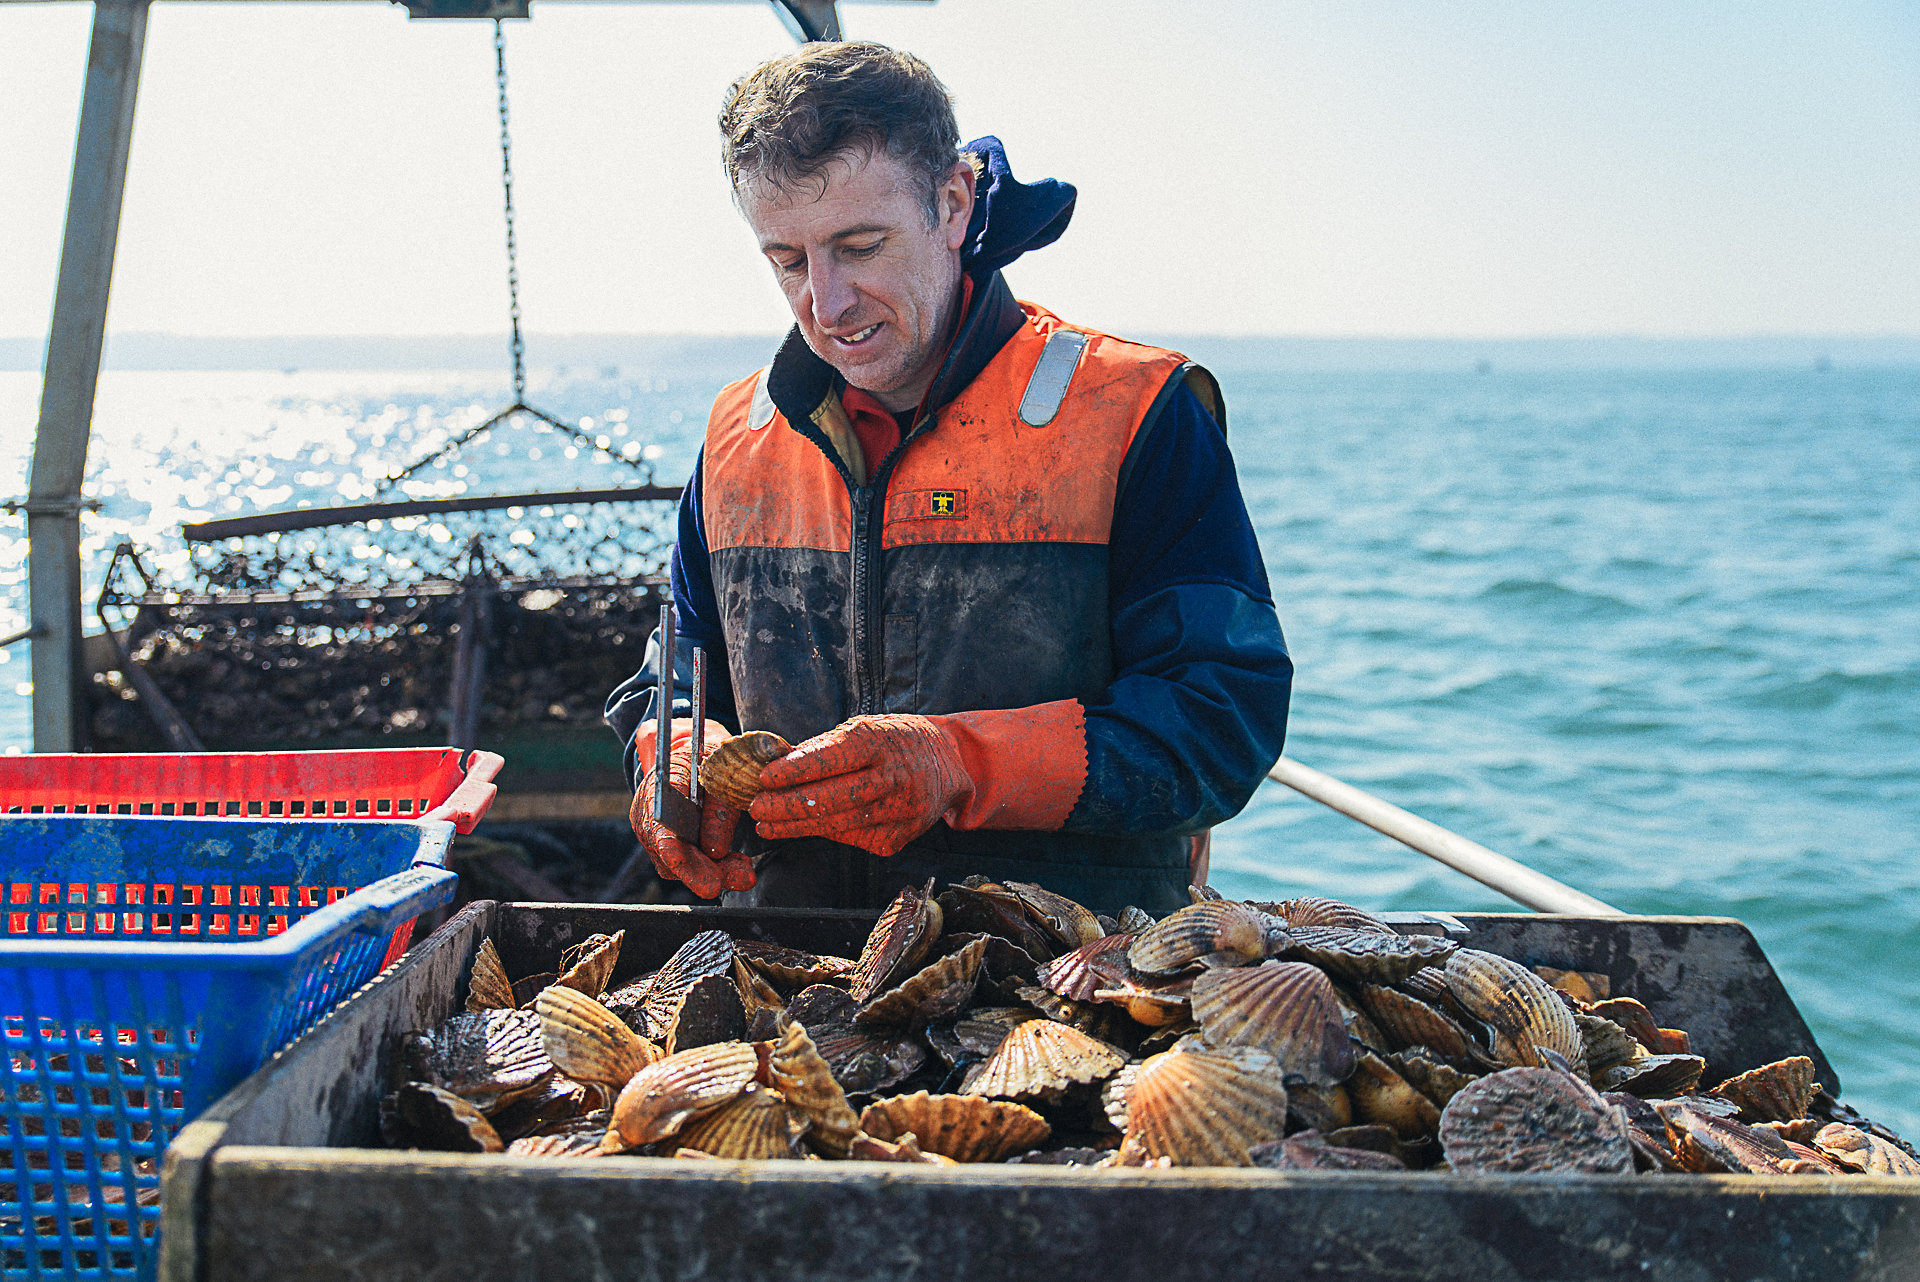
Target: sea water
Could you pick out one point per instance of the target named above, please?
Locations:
(1656, 634)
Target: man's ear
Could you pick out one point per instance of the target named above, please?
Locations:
(956, 203)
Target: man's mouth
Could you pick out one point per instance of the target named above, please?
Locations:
(856, 339)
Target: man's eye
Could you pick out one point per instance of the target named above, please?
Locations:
(789, 267)
(863, 251)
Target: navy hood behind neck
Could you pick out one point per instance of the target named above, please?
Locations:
(1010, 217)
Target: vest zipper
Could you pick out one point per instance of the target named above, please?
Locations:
(861, 604)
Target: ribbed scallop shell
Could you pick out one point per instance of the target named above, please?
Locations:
(1132, 921)
(423, 1116)
(1366, 956)
(488, 987)
(1655, 1076)
(1039, 1060)
(1429, 984)
(897, 942)
(1863, 1151)
(587, 966)
(556, 1146)
(663, 1097)
(1316, 911)
(1778, 1092)
(587, 1042)
(731, 771)
(994, 910)
(1519, 1008)
(1287, 1009)
(1103, 1022)
(488, 1058)
(1100, 964)
(1072, 924)
(802, 1075)
(708, 953)
(985, 1027)
(966, 1128)
(937, 993)
(1381, 1096)
(758, 1126)
(560, 1101)
(1214, 932)
(1436, 1080)
(1204, 1107)
(1607, 1043)
(1534, 1119)
(868, 1061)
(792, 967)
(1407, 1021)
(1155, 1003)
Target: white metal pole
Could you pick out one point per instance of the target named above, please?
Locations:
(73, 369)
(1510, 877)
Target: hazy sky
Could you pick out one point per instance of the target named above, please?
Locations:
(1348, 167)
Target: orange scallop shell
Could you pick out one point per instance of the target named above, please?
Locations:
(587, 1042)
(661, 1098)
(1040, 1060)
(1287, 1009)
(1213, 932)
(758, 1126)
(1778, 1092)
(966, 1128)
(588, 965)
(897, 942)
(801, 1074)
(488, 987)
(731, 771)
(1201, 1107)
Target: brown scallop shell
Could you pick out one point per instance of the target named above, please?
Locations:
(1071, 924)
(1406, 1021)
(1214, 932)
(758, 1126)
(422, 1116)
(1584, 986)
(1429, 984)
(710, 1011)
(1287, 1009)
(1314, 910)
(560, 1101)
(588, 965)
(731, 772)
(1433, 1078)
(651, 1010)
(897, 942)
(1608, 1044)
(1041, 1060)
(1100, 964)
(1534, 1119)
(1860, 1150)
(1521, 1011)
(983, 1028)
(1632, 1016)
(488, 987)
(487, 1058)
(1202, 1107)
(966, 1128)
(1655, 1076)
(765, 1009)
(868, 1061)
(1708, 1145)
(1776, 1092)
(1004, 969)
(587, 1042)
(663, 1097)
(790, 966)
(1324, 1108)
(1310, 1151)
(804, 1078)
(1098, 1020)
(935, 994)
(567, 1145)
(1800, 1130)
(1381, 1096)
(1366, 956)
(1131, 921)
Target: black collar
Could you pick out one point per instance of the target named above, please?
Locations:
(799, 380)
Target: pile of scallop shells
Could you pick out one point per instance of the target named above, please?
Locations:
(1004, 1023)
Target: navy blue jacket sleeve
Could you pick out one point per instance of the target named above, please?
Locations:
(698, 613)
(1197, 711)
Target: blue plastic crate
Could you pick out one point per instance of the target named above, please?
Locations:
(146, 966)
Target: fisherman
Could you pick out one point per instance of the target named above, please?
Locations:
(989, 570)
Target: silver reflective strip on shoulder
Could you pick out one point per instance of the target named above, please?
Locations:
(1051, 374)
(761, 412)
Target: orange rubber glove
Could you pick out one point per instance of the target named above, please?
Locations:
(872, 782)
(715, 866)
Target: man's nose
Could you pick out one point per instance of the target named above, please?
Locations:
(832, 289)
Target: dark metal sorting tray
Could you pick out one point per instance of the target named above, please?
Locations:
(267, 1184)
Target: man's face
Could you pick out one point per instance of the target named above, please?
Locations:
(873, 287)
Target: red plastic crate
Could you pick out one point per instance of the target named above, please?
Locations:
(371, 783)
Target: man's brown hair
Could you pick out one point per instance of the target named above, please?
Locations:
(785, 120)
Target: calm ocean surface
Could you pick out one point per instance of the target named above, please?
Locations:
(1655, 633)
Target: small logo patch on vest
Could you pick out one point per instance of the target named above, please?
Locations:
(927, 505)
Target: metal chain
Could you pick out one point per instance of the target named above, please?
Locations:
(506, 186)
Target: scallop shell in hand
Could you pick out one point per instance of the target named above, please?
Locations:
(731, 771)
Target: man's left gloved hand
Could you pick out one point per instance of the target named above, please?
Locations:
(872, 782)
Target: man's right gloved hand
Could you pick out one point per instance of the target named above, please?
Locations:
(715, 866)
